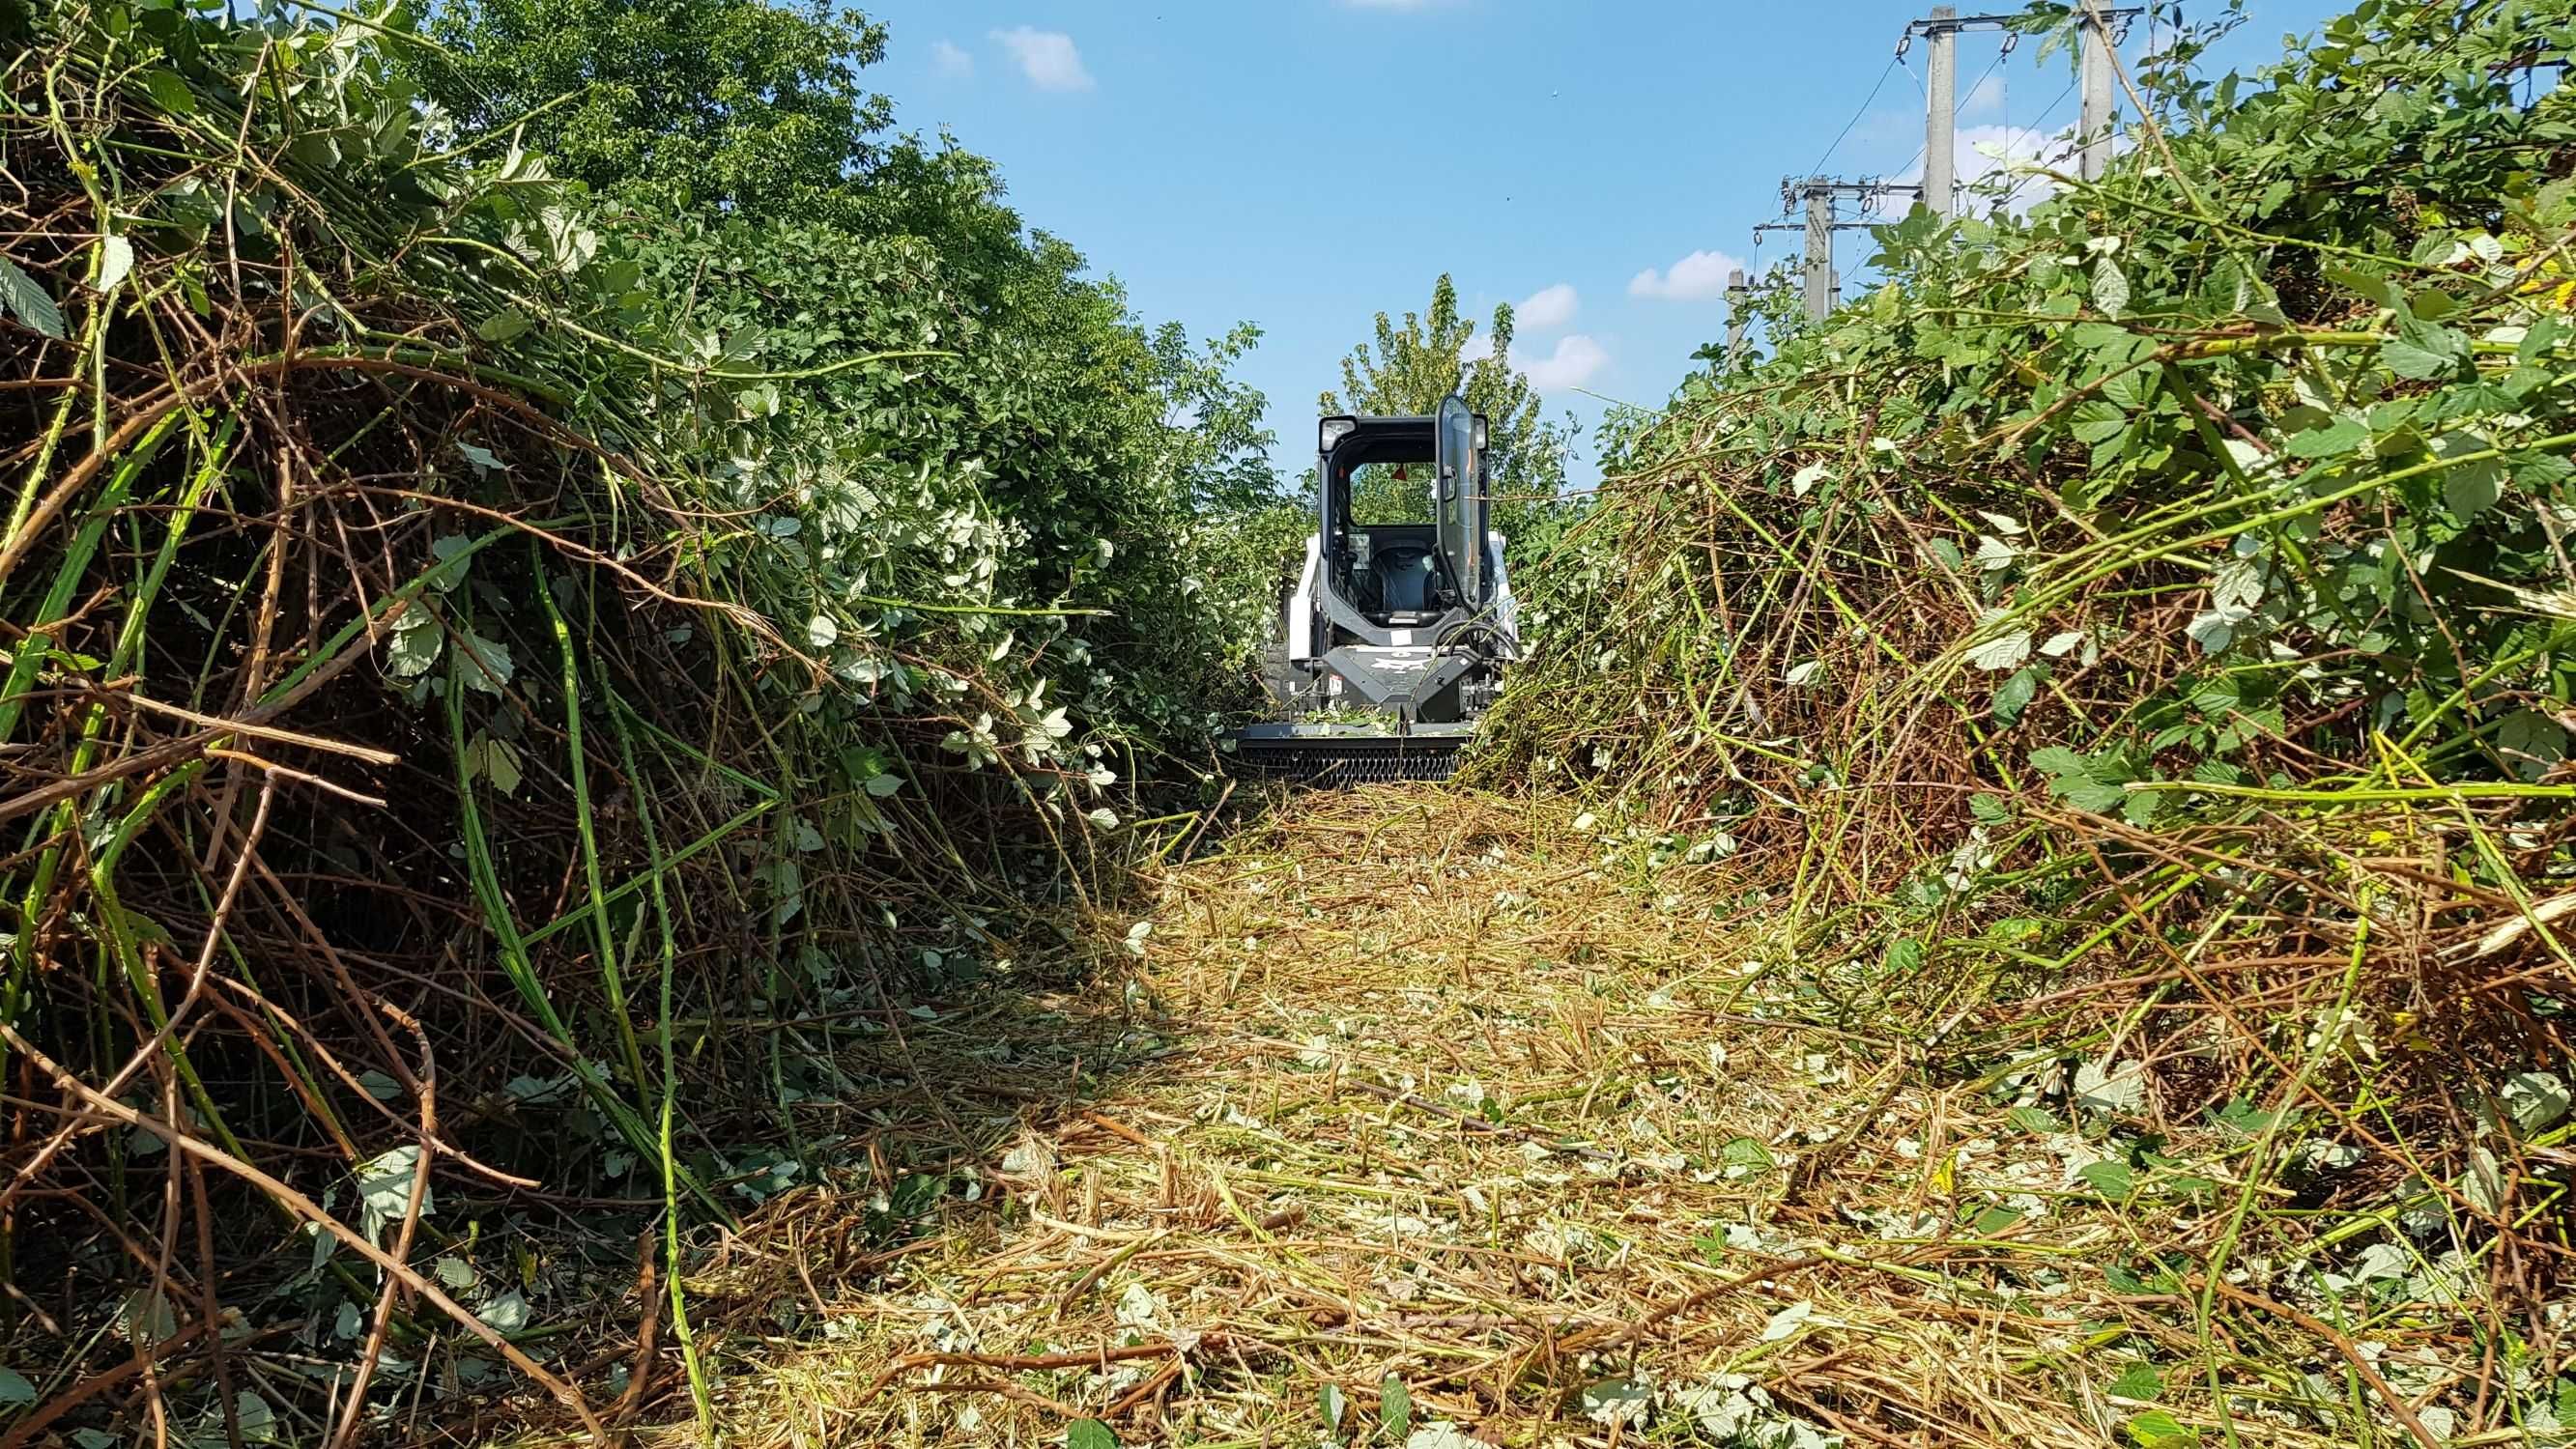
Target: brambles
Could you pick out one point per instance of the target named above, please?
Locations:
(2133, 636)
(501, 680)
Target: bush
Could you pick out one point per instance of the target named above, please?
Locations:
(474, 635)
(2167, 589)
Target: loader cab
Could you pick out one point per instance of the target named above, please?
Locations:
(1402, 520)
(1402, 608)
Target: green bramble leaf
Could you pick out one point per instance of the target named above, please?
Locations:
(257, 1418)
(115, 263)
(454, 552)
(2531, 742)
(493, 759)
(2473, 488)
(2113, 1180)
(2098, 421)
(2015, 694)
(485, 664)
(1747, 1152)
(2003, 652)
(2432, 304)
(2334, 440)
(2376, 288)
(2538, 472)
(2037, 1120)
(1395, 1408)
(416, 644)
(2056, 760)
(2421, 353)
(170, 92)
(2094, 784)
(2214, 630)
(2140, 1380)
(25, 298)
(2110, 287)
(2157, 1429)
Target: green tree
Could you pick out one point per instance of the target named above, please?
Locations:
(771, 215)
(1416, 365)
(743, 105)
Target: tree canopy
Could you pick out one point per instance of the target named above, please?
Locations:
(1416, 365)
(739, 104)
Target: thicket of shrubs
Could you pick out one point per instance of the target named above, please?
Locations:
(521, 537)
(2157, 607)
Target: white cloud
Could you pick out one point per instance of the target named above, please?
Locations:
(2018, 145)
(2054, 149)
(1547, 308)
(951, 61)
(1047, 57)
(1698, 277)
(1572, 364)
(1986, 95)
(1576, 358)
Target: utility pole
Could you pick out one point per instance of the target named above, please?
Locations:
(1819, 255)
(2093, 85)
(1736, 295)
(1941, 109)
(1797, 226)
(2101, 27)
(1817, 195)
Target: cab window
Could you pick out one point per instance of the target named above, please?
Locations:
(1391, 493)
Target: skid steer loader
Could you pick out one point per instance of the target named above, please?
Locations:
(1395, 637)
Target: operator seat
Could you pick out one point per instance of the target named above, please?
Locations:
(1401, 575)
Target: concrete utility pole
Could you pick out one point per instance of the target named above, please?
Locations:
(1817, 194)
(1736, 295)
(2101, 28)
(1941, 111)
(2093, 84)
(1797, 226)
(1819, 255)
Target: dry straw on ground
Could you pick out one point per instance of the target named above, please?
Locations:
(1422, 1088)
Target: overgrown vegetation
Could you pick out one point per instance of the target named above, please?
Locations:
(508, 670)
(588, 628)
(2125, 657)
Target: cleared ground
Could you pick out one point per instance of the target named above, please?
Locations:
(1417, 1119)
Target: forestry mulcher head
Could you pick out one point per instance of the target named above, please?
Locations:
(1396, 636)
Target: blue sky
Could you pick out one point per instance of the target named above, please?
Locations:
(1305, 164)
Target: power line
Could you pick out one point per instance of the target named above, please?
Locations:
(1819, 168)
(1981, 80)
(2047, 111)
(1921, 151)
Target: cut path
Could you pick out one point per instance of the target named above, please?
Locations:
(1410, 1088)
